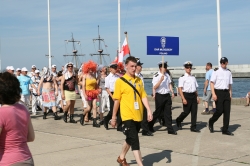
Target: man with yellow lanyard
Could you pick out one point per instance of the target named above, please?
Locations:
(129, 94)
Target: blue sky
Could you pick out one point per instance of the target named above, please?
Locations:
(24, 32)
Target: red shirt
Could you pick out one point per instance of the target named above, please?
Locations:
(14, 121)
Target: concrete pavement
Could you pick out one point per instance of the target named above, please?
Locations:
(58, 143)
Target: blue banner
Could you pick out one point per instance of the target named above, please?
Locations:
(162, 45)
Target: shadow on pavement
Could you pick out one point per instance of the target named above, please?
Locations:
(150, 159)
(176, 107)
(233, 127)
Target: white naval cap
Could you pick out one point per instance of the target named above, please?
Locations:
(37, 71)
(17, 69)
(33, 66)
(188, 63)
(164, 63)
(24, 69)
(113, 65)
(53, 66)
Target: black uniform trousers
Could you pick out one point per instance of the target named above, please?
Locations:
(109, 115)
(144, 123)
(191, 106)
(163, 103)
(223, 105)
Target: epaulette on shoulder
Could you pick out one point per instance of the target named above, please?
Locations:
(216, 68)
(156, 74)
(229, 70)
(182, 75)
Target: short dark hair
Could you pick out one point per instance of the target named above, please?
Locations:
(9, 88)
(132, 59)
(59, 74)
(209, 64)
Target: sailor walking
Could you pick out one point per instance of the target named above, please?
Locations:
(163, 93)
(221, 87)
(188, 92)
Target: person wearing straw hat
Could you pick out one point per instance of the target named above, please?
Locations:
(188, 91)
(163, 93)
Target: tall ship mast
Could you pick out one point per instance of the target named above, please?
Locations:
(75, 56)
(100, 50)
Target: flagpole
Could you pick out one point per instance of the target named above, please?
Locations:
(219, 32)
(126, 36)
(49, 34)
(0, 57)
(119, 26)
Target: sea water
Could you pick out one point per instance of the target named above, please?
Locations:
(241, 86)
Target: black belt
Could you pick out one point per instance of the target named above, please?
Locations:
(189, 92)
(222, 89)
(163, 94)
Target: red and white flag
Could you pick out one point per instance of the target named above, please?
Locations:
(124, 51)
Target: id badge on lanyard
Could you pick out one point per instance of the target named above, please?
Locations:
(136, 104)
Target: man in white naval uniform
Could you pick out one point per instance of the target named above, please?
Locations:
(221, 87)
(110, 87)
(188, 91)
(163, 101)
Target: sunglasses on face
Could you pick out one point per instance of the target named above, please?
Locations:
(188, 67)
(69, 66)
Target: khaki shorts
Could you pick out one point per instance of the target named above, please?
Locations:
(208, 96)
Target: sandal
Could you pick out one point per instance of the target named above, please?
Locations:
(122, 162)
(246, 105)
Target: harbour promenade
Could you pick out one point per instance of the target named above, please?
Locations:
(199, 71)
(58, 143)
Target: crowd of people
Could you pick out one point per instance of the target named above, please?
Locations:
(117, 89)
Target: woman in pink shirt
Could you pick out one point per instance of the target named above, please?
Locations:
(15, 125)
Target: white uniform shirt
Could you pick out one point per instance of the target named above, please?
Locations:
(54, 74)
(110, 81)
(36, 81)
(164, 86)
(31, 74)
(188, 83)
(221, 78)
(140, 76)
